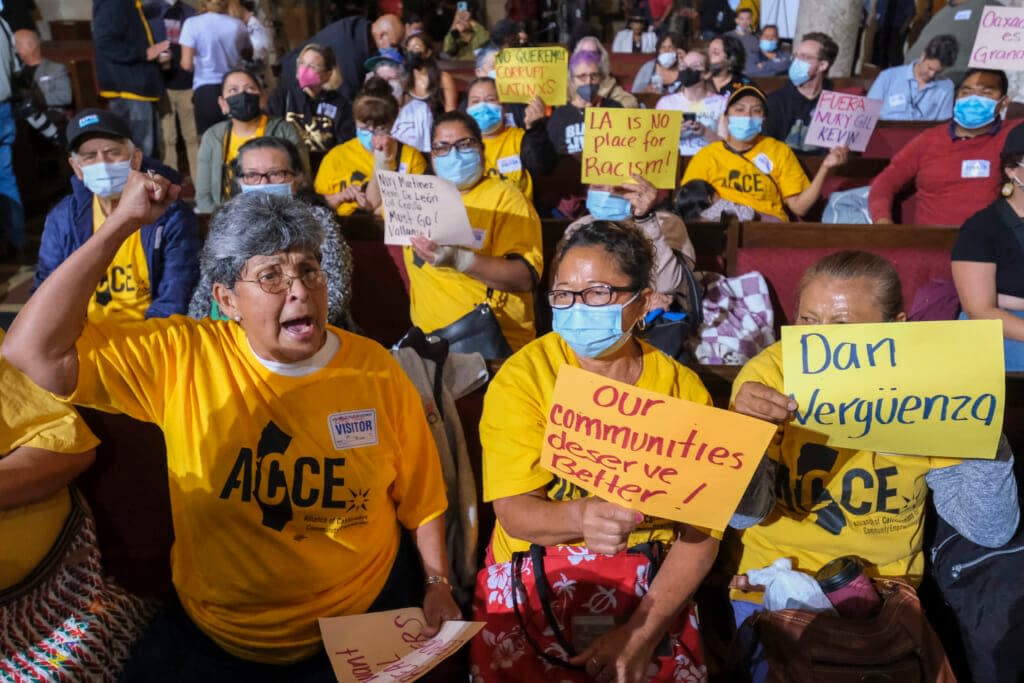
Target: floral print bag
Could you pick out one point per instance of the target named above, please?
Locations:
(545, 606)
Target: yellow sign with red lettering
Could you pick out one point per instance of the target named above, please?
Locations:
(645, 451)
(618, 143)
(523, 73)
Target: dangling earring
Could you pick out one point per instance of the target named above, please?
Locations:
(641, 324)
(1007, 189)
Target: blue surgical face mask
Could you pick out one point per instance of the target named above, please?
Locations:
(365, 138)
(462, 168)
(799, 72)
(592, 331)
(106, 180)
(487, 116)
(605, 206)
(283, 189)
(768, 45)
(974, 111)
(745, 128)
(588, 92)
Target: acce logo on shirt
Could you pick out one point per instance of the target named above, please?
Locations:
(312, 482)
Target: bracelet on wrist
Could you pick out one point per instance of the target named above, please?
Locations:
(436, 580)
(647, 215)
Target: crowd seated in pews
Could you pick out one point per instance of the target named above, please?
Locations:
(294, 275)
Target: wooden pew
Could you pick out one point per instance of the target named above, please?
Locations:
(890, 137)
(783, 251)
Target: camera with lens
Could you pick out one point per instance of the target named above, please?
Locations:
(26, 108)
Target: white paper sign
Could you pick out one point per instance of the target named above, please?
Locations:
(841, 119)
(999, 42)
(422, 205)
(386, 647)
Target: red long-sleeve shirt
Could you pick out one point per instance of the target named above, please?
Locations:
(954, 178)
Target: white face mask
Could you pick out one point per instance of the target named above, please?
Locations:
(668, 59)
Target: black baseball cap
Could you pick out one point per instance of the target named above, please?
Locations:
(746, 91)
(90, 123)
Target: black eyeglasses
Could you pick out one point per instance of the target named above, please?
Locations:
(273, 177)
(441, 149)
(598, 295)
(275, 281)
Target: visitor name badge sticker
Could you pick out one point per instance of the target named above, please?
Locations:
(975, 168)
(353, 428)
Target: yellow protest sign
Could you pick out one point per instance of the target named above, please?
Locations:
(926, 388)
(620, 142)
(645, 451)
(527, 72)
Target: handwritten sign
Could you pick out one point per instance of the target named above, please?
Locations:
(422, 205)
(645, 451)
(620, 142)
(999, 42)
(387, 647)
(927, 388)
(527, 72)
(841, 119)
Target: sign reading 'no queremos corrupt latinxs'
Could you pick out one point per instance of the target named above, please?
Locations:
(423, 205)
(999, 43)
(663, 456)
(925, 388)
(841, 119)
(523, 73)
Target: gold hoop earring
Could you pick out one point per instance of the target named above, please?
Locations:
(1007, 189)
(641, 324)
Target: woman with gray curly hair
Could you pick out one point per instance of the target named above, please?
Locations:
(274, 165)
(296, 451)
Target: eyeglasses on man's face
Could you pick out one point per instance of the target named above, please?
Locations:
(273, 177)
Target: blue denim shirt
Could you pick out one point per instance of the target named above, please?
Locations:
(903, 101)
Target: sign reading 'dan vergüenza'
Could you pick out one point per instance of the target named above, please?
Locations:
(620, 142)
(387, 647)
(527, 72)
(841, 119)
(663, 456)
(423, 205)
(925, 388)
(999, 43)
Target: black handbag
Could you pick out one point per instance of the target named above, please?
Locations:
(669, 331)
(476, 332)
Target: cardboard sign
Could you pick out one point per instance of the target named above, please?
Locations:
(841, 119)
(422, 205)
(663, 456)
(927, 388)
(527, 72)
(386, 647)
(620, 142)
(999, 42)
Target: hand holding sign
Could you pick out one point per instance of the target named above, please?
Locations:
(927, 388)
(422, 205)
(621, 143)
(648, 452)
(606, 526)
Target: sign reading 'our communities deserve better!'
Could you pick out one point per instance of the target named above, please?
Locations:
(926, 388)
(388, 647)
(423, 205)
(663, 456)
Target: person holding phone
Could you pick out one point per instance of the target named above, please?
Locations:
(702, 107)
(465, 36)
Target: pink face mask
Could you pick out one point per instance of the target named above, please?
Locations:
(308, 78)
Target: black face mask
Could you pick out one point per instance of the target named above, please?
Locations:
(415, 59)
(689, 77)
(243, 106)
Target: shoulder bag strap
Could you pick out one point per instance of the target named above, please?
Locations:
(518, 589)
(770, 177)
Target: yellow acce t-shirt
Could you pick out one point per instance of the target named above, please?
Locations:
(31, 417)
(503, 223)
(501, 156)
(761, 178)
(515, 417)
(123, 293)
(286, 492)
(835, 501)
(350, 164)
